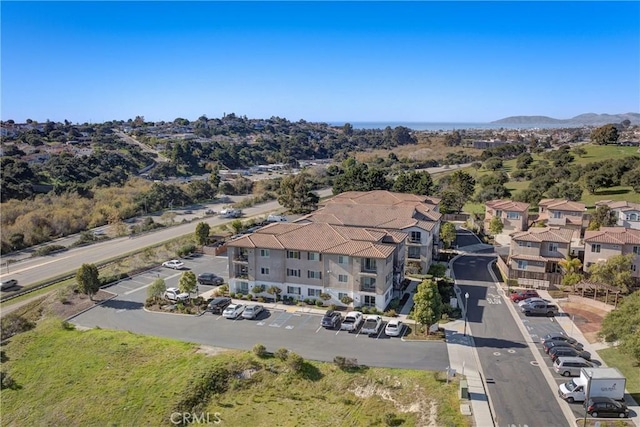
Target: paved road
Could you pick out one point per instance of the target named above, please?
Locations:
(517, 389)
(299, 332)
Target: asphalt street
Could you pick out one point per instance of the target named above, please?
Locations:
(518, 391)
(296, 331)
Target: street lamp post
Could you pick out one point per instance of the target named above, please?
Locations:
(586, 398)
(466, 309)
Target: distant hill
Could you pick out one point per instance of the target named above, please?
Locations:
(583, 119)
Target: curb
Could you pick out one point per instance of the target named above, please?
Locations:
(92, 307)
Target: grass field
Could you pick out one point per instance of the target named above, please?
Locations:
(631, 371)
(99, 377)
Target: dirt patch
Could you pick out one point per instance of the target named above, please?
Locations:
(211, 351)
(588, 320)
(67, 304)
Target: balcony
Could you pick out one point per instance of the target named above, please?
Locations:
(368, 288)
(368, 270)
(413, 241)
(240, 258)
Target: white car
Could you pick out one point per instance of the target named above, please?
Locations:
(174, 263)
(252, 311)
(394, 328)
(233, 311)
(174, 294)
(371, 325)
(530, 300)
(352, 321)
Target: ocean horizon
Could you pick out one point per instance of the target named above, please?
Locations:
(436, 126)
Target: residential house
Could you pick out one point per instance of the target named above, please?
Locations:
(535, 253)
(417, 216)
(562, 213)
(514, 215)
(600, 245)
(306, 260)
(627, 213)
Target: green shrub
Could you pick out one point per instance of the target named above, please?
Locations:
(295, 362)
(332, 307)
(282, 353)
(49, 249)
(345, 363)
(223, 289)
(259, 350)
(391, 313)
(258, 289)
(185, 250)
(12, 324)
(394, 303)
(346, 300)
(438, 270)
(260, 299)
(325, 296)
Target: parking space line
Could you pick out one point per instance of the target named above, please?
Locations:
(148, 284)
(338, 331)
(318, 330)
(305, 320)
(380, 333)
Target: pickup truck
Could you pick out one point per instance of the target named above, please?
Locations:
(539, 308)
(351, 321)
(372, 325)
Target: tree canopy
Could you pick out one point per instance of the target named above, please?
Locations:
(448, 234)
(414, 183)
(187, 282)
(427, 307)
(88, 279)
(202, 233)
(602, 217)
(616, 271)
(607, 134)
(296, 194)
(622, 325)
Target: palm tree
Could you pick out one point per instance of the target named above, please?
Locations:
(571, 268)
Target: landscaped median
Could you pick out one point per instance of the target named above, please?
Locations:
(120, 378)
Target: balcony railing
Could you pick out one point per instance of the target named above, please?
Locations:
(414, 241)
(367, 288)
(241, 258)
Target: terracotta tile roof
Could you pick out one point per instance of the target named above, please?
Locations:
(547, 234)
(613, 235)
(622, 205)
(508, 205)
(562, 205)
(322, 237)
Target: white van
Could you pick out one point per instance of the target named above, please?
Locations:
(276, 218)
(570, 366)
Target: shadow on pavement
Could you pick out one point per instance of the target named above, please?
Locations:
(122, 305)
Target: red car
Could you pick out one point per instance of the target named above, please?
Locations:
(522, 295)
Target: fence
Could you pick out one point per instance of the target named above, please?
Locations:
(456, 217)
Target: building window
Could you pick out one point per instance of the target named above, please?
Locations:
(369, 264)
(557, 214)
(368, 284)
(414, 252)
(633, 267)
(314, 274)
(636, 250)
(264, 270)
(632, 217)
(314, 292)
(243, 287)
(370, 301)
(293, 254)
(343, 259)
(342, 295)
(343, 278)
(524, 244)
(499, 213)
(295, 290)
(553, 247)
(595, 248)
(513, 215)
(293, 272)
(415, 237)
(314, 256)
(264, 253)
(522, 265)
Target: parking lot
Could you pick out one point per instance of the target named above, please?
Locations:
(282, 326)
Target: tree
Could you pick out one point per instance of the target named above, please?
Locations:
(157, 288)
(495, 225)
(296, 195)
(602, 217)
(616, 271)
(448, 234)
(622, 325)
(427, 303)
(202, 233)
(632, 179)
(607, 134)
(596, 179)
(236, 225)
(88, 279)
(456, 190)
(360, 177)
(187, 282)
(275, 291)
(566, 190)
(524, 160)
(493, 164)
(579, 151)
(571, 268)
(414, 183)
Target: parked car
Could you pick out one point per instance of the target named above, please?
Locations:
(174, 263)
(372, 324)
(276, 218)
(568, 352)
(520, 295)
(394, 328)
(217, 305)
(188, 211)
(331, 319)
(210, 212)
(531, 301)
(8, 284)
(233, 311)
(606, 407)
(547, 346)
(570, 366)
(252, 311)
(560, 336)
(210, 279)
(352, 321)
(539, 309)
(174, 294)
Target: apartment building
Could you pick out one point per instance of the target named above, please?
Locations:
(562, 213)
(626, 213)
(417, 216)
(535, 253)
(600, 245)
(308, 259)
(514, 215)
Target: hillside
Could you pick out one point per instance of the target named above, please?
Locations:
(591, 119)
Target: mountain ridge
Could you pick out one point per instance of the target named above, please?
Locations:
(582, 119)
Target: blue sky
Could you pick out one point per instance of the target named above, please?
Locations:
(318, 61)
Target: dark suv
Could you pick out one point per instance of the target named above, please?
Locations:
(331, 319)
(606, 407)
(568, 352)
(217, 305)
(210, 279)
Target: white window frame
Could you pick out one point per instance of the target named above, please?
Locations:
(264, 270)
(293, 254)
(636, 250)
(415, 236)
(294, 290)
(314, 292)
(314, 274)
(343, 259)
(293, 272)
(343, 276)
(596, 247)
(513, 215)
(243, 287)
(522, 264)
(553, 247)
(314, 256)
(264, 253)
(411, 252)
